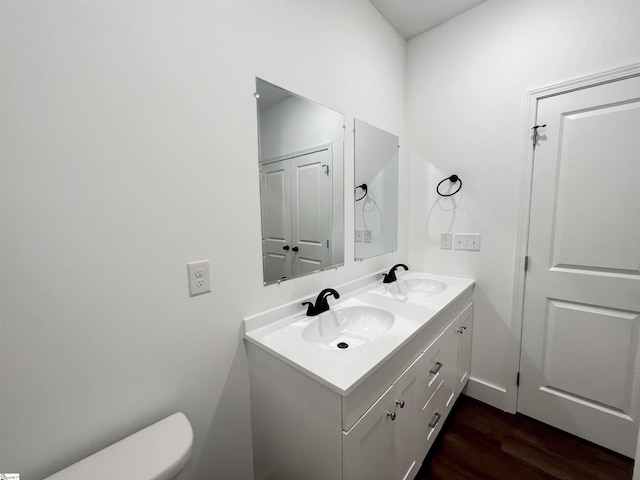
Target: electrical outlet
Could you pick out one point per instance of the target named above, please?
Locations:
(198, 277)
(445, 241)
(466, 241)
(358, 235)
(367, 236)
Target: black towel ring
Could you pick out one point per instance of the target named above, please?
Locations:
(364, 189)
(452, 179)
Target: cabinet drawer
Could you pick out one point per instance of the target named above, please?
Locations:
(433, 416)
(433, 372)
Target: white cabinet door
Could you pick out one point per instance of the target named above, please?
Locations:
(382, 444)
(465, 333)
(407, 460)
(367, 447)
(450, 348)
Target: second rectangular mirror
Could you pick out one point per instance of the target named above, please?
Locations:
(376, 190)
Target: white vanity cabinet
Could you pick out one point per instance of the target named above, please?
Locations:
(382, 427)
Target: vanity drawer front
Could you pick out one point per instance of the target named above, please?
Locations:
(432, 417)
(432, 371)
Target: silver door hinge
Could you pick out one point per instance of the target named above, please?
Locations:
(526, 263)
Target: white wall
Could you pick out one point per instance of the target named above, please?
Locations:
(128, 148)
(466, 86)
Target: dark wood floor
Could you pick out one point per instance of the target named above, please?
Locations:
(481, 442)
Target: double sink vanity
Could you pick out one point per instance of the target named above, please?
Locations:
(358, 384)
(361, 390)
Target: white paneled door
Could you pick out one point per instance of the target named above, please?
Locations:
(582, 298)
(296, 206)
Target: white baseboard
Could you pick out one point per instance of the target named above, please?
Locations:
(486, 392)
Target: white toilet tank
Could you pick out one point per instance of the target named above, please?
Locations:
(157, 452)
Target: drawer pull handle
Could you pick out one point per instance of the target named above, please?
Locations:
(434, 421)
(392, 415)
(436, 368)
(400, 403)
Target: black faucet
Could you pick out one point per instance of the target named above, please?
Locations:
(391, 276)
(321, 302)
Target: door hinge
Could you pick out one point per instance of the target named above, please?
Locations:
(327, 243)
(526, 263)
(518, 379)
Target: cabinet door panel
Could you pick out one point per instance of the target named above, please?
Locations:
(450, 340)
(383, 443)
(465, 324)
(368, 446)
(405, 433)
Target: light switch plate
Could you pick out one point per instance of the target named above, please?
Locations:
(445, 240)
(466, 241)
(367, 236)
(199, 281)
(358, 235)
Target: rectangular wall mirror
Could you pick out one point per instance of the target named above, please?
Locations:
(301, 146)
(376, 190)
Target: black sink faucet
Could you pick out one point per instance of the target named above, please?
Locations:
(321, 302)
(391, 276)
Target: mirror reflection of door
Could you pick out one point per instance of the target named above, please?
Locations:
(296, 204)
(301, 178)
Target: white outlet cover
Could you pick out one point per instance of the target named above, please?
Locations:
(199, 281)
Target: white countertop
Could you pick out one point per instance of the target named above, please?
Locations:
(343, 370)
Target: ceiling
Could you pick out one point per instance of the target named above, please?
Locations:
(413, 17)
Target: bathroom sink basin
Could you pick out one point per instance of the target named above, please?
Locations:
(348, 327)
(407, 288)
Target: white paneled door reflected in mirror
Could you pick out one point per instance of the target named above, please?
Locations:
(376, 190)
(301, 179)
